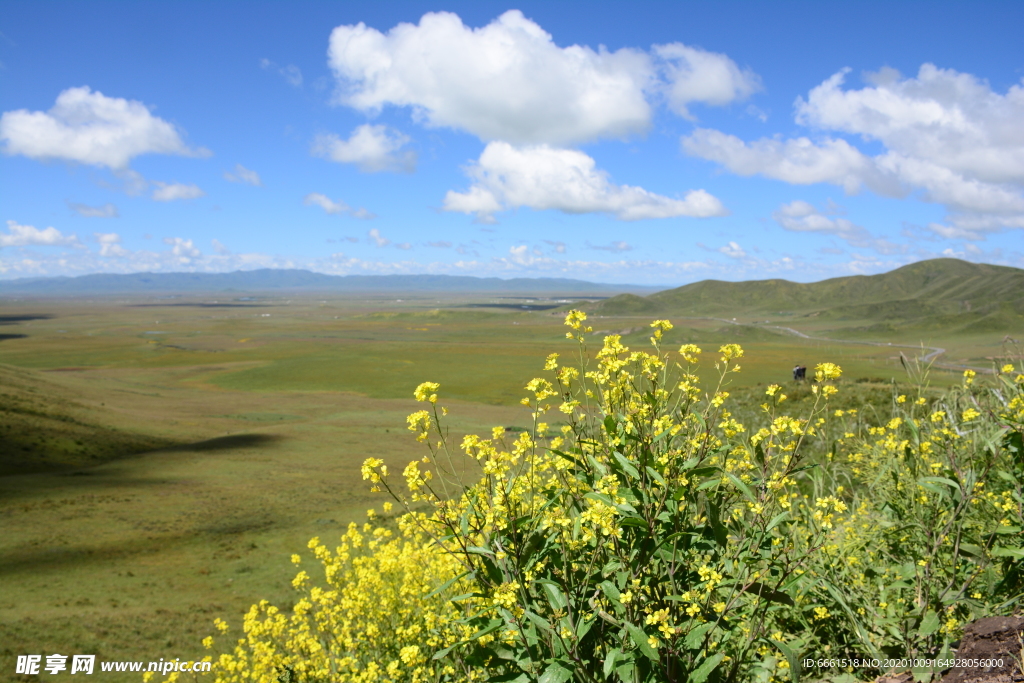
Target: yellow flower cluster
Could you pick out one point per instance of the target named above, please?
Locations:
(375, 620)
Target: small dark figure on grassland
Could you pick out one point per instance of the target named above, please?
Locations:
(799, 373)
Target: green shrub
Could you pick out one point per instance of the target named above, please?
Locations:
(654, 537)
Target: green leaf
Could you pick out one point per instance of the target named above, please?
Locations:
(971, 550)
(568, 457)
(656, 476)
(794, 664)
(708, 484)
(776, 520)
(705, 471)
(929, 623)
(609, 661)
(640, 638)
(610, 426)
(744, 489)
(492, 625)
(538, 621)
(695, 638)
(626, 465)
(557, 672)
(701, 673)
(611, 591)
(714, 517)
(1000, 551)
(445, 586)
(555, 596)
(583, 627)
(759, 454)
(493, 573)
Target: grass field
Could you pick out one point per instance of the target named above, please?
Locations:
(165, 457)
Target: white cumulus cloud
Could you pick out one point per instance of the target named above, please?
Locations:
(28, 235)
(951, 119)
(509, 81)
(695, 75)
(370, 147)
(90, 128)
(86, 211)
(542, 177)
(169, 192)
(947, 137)
(241, 174)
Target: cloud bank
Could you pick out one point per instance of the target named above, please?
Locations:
(947, 137)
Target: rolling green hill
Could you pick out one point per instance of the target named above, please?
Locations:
(45, 426)
(939, 293)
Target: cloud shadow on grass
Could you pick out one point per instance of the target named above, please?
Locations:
(226, 442)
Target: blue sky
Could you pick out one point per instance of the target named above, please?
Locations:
(651, 143)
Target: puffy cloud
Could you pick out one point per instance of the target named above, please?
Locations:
(219, 247)
(800, 216)
(733, 250)
(556, 246)
(291, 73)
(542, 177)
(86, 211)
(110, 244)
(27, 235)
(509, 80)
(377, 238)
(371, 147)
(951, 119)
(183, 250)
(946, 135)
(695, 75)
(90, 128)
(169, 192)
(336, 207)
(241, 174)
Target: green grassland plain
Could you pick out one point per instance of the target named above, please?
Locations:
(162, 458)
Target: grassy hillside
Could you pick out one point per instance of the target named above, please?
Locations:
(44, 426)
(940, 293)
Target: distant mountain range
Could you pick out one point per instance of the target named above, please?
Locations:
(269, 280)
(940, 293)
